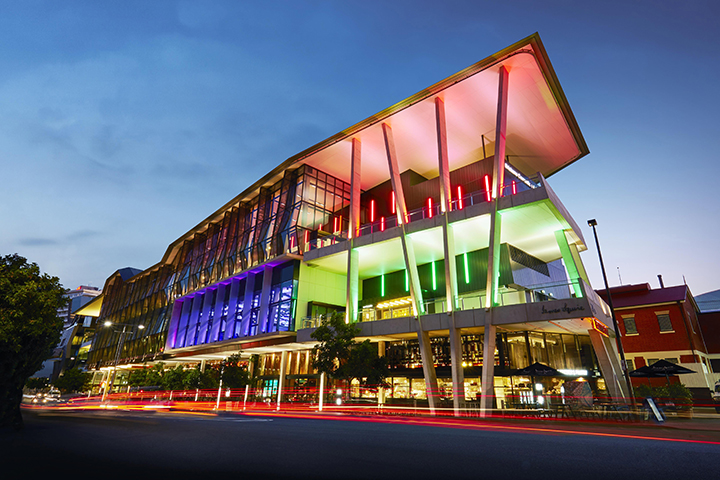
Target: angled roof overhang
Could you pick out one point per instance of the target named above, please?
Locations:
(542, 133)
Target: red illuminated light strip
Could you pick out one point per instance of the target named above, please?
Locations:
(460, 198)
(372, 211)
(430, 207)
(487, 188)
(392, 201)
(382, 224)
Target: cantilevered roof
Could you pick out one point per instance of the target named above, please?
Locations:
(542, 134)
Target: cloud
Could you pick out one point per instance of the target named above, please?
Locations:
(37, 242)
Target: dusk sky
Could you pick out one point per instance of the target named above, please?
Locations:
(124, 124)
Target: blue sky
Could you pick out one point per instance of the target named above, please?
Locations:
(124, 124)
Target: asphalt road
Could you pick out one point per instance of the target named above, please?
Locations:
(137, 445)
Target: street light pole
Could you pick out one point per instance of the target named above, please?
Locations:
(618, 339)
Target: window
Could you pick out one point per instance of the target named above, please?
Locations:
(630, 327)
(715, 364)
(630, 365)
(664, 322)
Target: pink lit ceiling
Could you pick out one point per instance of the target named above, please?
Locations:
(541, 135)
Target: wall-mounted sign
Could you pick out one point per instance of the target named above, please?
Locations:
(598, 326)
(564, 309)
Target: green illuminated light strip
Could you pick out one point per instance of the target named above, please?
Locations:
(434, 277)
(382, 285)
(407, 282)
(467, 270)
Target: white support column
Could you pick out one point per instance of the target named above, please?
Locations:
(578, 263)
(609, 361)
(321, 396)
(451, 287)
(569, 261)
(488, 368)
(402, 213)
(353, 268)
(431, 387)
(411, 267)
(281, 379)
(498, 179)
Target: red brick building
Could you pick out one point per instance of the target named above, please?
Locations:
(660, 324)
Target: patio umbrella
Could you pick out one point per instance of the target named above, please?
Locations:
(645, 372)
(663, 367)
(537, 369)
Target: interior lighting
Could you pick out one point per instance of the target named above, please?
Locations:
(467, 270)
(372, 211)
(519, 175)
(573, 373)
(487, 187)
(460, 198)
(434, 276)
(108, 323)
(430, 207)
(538, 387)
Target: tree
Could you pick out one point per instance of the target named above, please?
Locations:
(336, 340)
(340, 357)
(72, 380)
(235, 374)
(365, 365)
(36, 383)
(29, 329)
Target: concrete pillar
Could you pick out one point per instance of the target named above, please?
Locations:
(493, 273)
(281, 379)
(401, 208)
(431, 385)
(578, 263)
(263, 320)
(202, 366)
(569, 262)
(381, 390)
(488, 369)
(353, 267)
(609, 361)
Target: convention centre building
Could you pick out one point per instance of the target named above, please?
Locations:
(431, 225)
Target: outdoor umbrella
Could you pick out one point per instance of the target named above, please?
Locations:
(663, 367)
(645, 372)
(537, 369)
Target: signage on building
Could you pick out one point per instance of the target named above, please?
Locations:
(598, 326)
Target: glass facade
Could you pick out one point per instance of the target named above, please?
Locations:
(288, 217)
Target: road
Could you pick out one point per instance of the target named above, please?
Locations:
(102, 444)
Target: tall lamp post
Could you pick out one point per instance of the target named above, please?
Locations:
(593, 223)
(110, 382)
